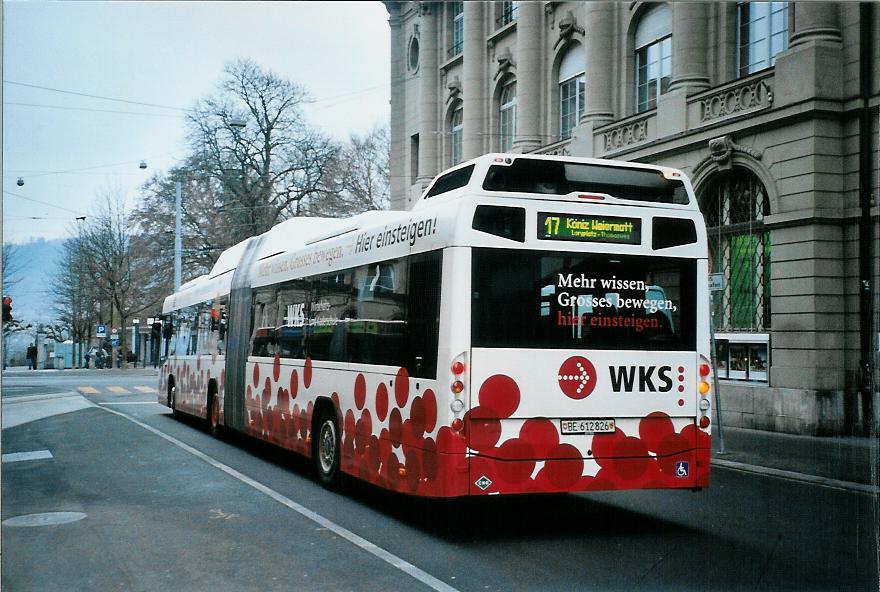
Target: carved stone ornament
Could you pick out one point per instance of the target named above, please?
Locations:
(625, 135)
(454, 88)
(734, 101)
(505, 62)
(721, 152)
(567, 28)
(424, 8)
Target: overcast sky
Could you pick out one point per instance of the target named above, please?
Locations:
(167, 54)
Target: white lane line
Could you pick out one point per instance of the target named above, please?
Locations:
(22, 456)
(145, 389)
(130, 403)
(341, 531)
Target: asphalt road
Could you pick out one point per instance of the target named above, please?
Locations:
(168, 507)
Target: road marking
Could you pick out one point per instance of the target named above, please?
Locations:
(22, 456)
(130, 403)
(145, 389)
(87, 390)
(119, 390)
(793, 476)
(341, 531)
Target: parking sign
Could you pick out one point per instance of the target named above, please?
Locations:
(101, 331)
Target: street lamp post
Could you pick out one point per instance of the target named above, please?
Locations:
(236, 125)
(178, 241)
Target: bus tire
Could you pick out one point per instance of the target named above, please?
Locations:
(214, 417)
(172, 399)
(327, 449)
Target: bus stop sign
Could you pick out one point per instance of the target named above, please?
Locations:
(716, 282)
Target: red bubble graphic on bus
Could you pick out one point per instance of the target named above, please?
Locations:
(577, 377)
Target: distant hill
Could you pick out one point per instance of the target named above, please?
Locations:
(37, 263)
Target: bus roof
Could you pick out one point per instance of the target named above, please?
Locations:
(562, 178)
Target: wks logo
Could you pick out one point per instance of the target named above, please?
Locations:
(577, 377)
(650, 379)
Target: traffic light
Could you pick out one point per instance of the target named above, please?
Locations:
(7, 309)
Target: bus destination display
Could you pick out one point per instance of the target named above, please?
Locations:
(598, 229)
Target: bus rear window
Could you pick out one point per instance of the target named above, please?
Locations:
(452, 180)
(555, 300)
(529, 175)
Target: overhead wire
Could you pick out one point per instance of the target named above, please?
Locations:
(65, 108)
(45, 203)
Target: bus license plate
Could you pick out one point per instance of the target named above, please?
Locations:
(586, 426)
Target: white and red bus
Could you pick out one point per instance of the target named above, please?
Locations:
(533, 324)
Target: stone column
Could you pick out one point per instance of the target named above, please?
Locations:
(690, 26)
(528, 73)
(811, 67)
(429, 126)
(599, 55)
(398, 100)
(815, 21)
(473, 117)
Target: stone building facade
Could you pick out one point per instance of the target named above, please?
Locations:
(770, 108)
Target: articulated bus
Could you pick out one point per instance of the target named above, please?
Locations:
(533, 324)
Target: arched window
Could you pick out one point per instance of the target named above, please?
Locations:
(507, 115)
(455, 130)
(653, 59)
(762, 33)
(571, 90)
(734, 205)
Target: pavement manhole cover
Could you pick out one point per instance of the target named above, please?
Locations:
(44, 519)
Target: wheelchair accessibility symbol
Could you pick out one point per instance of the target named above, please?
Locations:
(681, 469)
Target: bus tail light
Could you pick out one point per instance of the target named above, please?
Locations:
(704, 370)
(458, 368)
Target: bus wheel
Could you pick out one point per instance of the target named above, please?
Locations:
(214, 417)
(327, 451)
(172, 399)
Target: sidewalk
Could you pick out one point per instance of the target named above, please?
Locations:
(836, 461)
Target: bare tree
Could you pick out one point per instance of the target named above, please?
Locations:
(360, 177)
(75, 301)
(119, 265)
(11, 267)
(253, 141)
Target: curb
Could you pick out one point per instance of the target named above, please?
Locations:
(794, 476)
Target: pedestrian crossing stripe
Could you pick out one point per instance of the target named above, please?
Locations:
(118, 390)
(146, 389)
(87, 390)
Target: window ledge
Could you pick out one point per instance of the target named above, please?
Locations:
(501, 32)
(453, 61)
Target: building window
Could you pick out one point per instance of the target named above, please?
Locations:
(507, 116)
(762, 33)
(455, 130)
(413, 54)
(653, 56)
(457, 29)
(735, 204)
(508, 14)
(414, 157)
(571, 91)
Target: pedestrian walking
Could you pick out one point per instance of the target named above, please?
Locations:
(32, 356)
